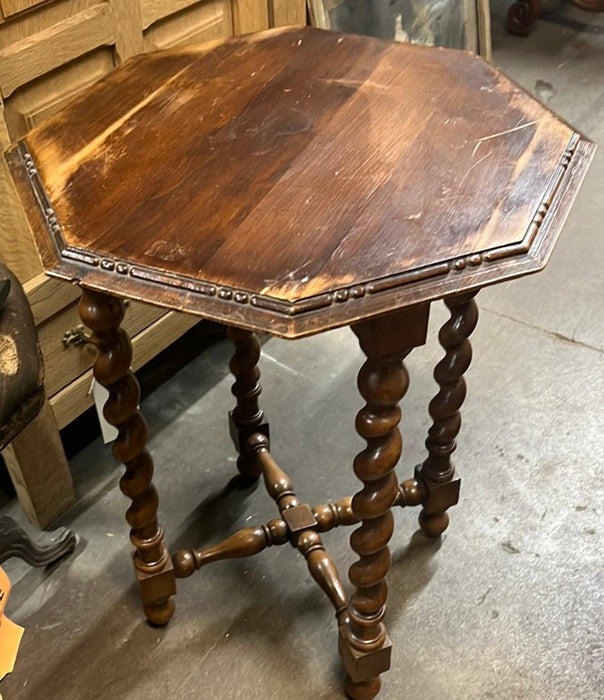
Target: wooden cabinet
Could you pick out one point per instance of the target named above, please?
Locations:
(50, 50)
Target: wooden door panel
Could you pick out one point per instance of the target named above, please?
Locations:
(250, 16)
(39, 18)
(13, 7)
(199, 23)
(40, 99)
(287, 12)
(48, 49)
(154, 10)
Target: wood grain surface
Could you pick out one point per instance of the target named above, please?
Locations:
(294, 169)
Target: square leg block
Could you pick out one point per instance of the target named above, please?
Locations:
(364, 665)
(157, 586)
(299, 518)
(239, 435)
(439, 495)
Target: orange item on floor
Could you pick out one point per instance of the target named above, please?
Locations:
(10, 633)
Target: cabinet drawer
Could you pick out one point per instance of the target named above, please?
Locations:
(75, 398)
(63, 364)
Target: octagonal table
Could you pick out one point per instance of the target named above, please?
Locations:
(291, 182)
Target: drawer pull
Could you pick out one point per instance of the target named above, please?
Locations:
(76, 336)
(80, 336)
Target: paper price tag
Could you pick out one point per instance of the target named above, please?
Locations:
(10, 633)
(100, 396)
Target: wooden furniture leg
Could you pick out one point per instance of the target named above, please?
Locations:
(437, 473)
(39, 470)
(103, 314)
(247, 417)
(382, 381)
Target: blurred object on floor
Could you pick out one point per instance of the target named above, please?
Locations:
(15, 542)
(21, 400)
(523, 14)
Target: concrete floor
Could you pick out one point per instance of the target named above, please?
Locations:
(508, 605)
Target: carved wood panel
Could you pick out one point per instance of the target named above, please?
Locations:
(13, 7)
(198, 23)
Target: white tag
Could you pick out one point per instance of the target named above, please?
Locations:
(100, 396)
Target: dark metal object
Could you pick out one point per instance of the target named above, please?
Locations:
(76, 336)
(15, 542)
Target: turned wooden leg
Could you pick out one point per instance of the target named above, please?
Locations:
(437, 473)
(247, 417)
(103, 314)
(522, 16)
(364, 644)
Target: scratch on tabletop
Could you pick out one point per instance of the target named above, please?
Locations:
(503, 133)
(469, 170)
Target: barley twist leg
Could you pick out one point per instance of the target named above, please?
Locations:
(247, 417)
(437, 473)
(103, 314)
(382, 381)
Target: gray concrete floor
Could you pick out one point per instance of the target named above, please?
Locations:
(508, 605)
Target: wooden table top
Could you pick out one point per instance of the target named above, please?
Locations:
(297, 180)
